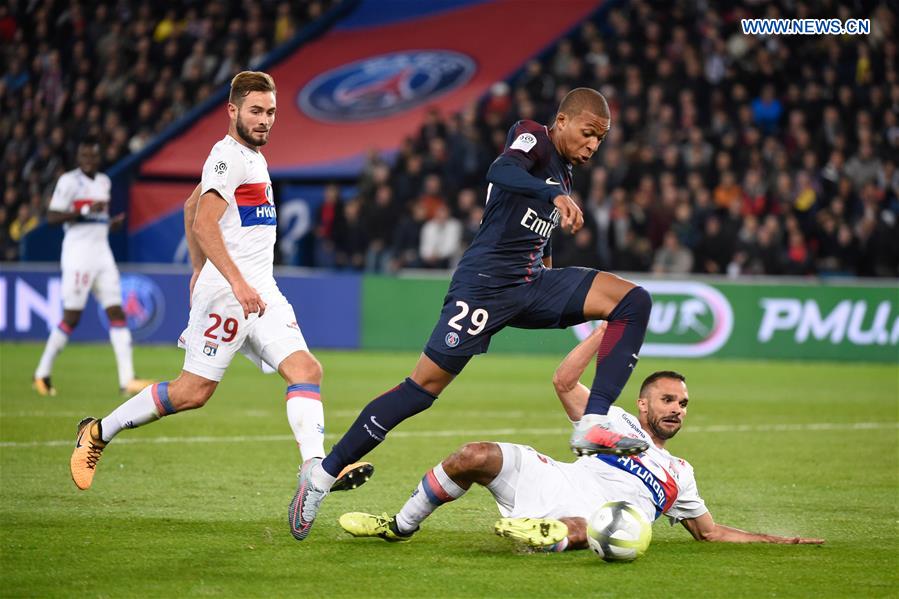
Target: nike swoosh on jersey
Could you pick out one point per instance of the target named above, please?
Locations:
(375, 422)
(549, 181)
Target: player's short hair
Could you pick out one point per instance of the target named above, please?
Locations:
(658, 375)
(89, 141)
(584, 98)
(249, 81)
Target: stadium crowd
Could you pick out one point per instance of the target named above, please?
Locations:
(729, 154)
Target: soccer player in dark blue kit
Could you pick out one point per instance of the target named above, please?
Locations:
(506, 279)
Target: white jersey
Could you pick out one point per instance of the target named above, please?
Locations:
(664, 483)
(240, 176)
(87, 240)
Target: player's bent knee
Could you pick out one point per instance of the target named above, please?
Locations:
(301, 367)
(473, 457)
(115, 313)
(71, 318)
(642, 299)
(190, 392)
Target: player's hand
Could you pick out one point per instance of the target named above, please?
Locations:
(193, 281)
(798, 541)
(249, 299)
(116, 222)
(572, 219)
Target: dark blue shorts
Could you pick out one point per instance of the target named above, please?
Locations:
(472, 314)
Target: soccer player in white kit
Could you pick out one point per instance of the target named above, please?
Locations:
(236, 306)
(80, 203)
(545, 503)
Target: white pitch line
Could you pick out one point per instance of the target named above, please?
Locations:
(482, 434)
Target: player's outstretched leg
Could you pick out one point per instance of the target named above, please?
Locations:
(187, 392)
(616, 359)
(370, 428)
(477, 463)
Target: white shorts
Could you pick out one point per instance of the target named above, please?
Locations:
(81, 277)
(217, 330)
(532, 485)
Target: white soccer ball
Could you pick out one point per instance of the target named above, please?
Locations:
(618, 532)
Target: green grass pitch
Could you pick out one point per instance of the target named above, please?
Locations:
(195, 505)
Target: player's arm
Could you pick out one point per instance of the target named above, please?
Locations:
(704, 528)
(510, 172)
(61, 209)
(566, 380)
(197, 257)
(210, 209)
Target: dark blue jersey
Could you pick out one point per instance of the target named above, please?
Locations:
(519, 216)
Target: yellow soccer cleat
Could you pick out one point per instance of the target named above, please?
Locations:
(44, 387)
(88, 449)
(135, 386)
(360, 524)
(353, 476)
(533, 532)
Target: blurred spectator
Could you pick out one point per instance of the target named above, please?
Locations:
(24, 222)
(351, 237)
(714, 250)
(380, 218)
(672, 257)
(441, 239)
(328, 223)
(407, 240)
(581, 251)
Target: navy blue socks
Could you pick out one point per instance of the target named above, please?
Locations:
(618, 353)
(374, 422)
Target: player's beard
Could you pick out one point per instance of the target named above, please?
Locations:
(247, 135)
(662, 433)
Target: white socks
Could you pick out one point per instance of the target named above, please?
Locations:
(55, 343)
(589, 420)
(120, 338)
(306, 416)
(152, 403)
(435, 489)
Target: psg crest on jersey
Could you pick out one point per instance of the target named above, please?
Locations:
(143, 303)
(384, 85)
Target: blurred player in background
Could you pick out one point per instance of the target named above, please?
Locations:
(230, 225)
(545, 502)
(80, 203)
(505, 278)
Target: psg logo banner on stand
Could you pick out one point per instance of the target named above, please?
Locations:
(368, 82)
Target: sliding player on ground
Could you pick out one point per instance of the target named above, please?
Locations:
(545, 503)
